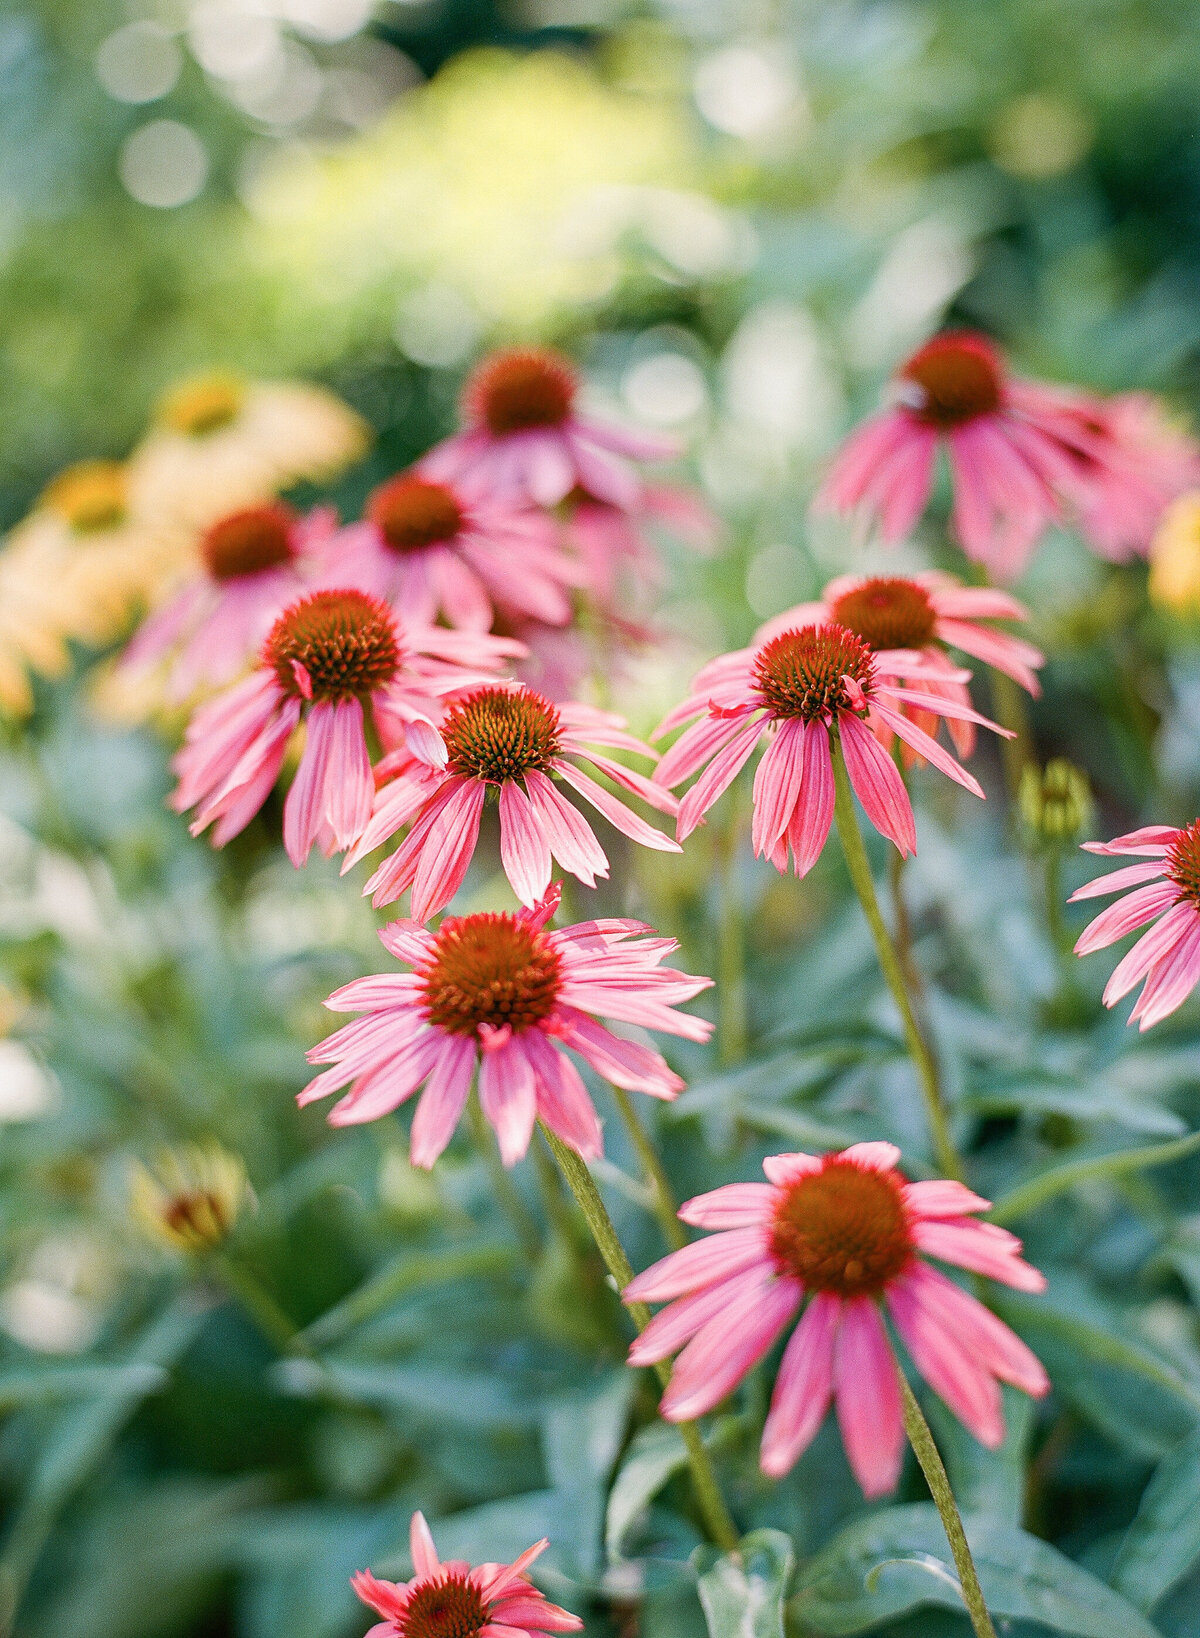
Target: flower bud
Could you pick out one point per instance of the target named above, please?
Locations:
(1055, 802)
(190, 1198)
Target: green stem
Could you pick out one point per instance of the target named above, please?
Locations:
(259, 1305)
(893, 970)
(912, 973)
(732, 1031)
(664, 1200)
(514, 1208)
(1055, 924)
(581, 1184)
(921, 1439)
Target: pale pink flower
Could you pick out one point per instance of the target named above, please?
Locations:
(923, 614)
(1168, 956)
(504, 993)
(454, 1600)
(327, 656)
(435, 548)
(796, 690)
(610, 541)
(847, 1231)
(510, 744)
(1003, 438)
(1128, 462)
(253, 562)
(525, 439)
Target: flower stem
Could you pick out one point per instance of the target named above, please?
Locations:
(921, 1439)
(524, 1225)
(664, 1200)
(581, 1184)
(893, 970)
(259, 1305)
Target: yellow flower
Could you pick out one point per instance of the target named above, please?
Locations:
(30, 638)
(191, 1198)
(220, 442)
(82, 563)
(1175, 557)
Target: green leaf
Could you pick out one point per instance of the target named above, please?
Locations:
(655, 1454)
(893, 1561)
(440, 1394)
(406, 1273)
(1163, 1543)
(1035, 1192)
(742, 1593)
(47, 1385)
(1094, 1102)
(581, 1437)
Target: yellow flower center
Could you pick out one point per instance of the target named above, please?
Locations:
(203, 405)
(91, 496)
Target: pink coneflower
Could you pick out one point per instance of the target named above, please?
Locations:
(799, 688)
(924, 614)
(610, 541)
(432, 548)
(1008, 464)
(454, 1600)
(1129, 464)
(508, 742)
(1168, 956)
(849, 1232)
(326, 657)
(252, 563)
(525, 438)
(498, 991)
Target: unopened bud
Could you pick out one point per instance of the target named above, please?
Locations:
(190, 1198)
(1055, 802)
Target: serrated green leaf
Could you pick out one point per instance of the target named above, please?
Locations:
(1163, 1543)
(742, 1593)
(892, 1562)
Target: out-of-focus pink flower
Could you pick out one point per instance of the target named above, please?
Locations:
(507, 742)
(923, 614)
(254, 561)
(504, 993)
(1003, 437)
(326, 656)
(804, 685)
(525, 439)
(431, 548)
(1166, 885)
(454, 1600)
(610, 541)
(847, 1231)
(1128, 463)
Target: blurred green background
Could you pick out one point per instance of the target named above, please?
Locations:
(738, 217)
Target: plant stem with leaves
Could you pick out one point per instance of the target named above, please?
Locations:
(711, 1503)
(890, 962)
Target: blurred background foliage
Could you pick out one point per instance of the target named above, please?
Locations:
(738, 217)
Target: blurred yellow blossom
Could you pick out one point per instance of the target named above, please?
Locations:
(1175, 557)
(191, 1197)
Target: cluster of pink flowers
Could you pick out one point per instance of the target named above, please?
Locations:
(377, 655)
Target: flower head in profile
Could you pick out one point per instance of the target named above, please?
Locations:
(505, 742)
(846, 1232)
(1175, 557)
(505, 994)
(924, 614)
(252, 564)
(91, 553)
(436, 548)
(191, 1198)
(525, 437)
(797, 690)
(220, 441)
(611, 545)
(1004, 440)
(1166, 885)
(454, 1600)
(329, 656)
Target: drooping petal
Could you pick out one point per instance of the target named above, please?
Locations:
(868, 1398)
(803, 1387)
(1141, 906)
(730, 1345)
(508, 1097)
(946, 1362)
(878, 785)
(700, 1264)
(443, 1101)
(734, 1205)
(524, 851)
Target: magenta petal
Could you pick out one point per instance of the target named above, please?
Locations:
(700, 1264)
(730, 1345)
(803, 1387)
(878, 785)
(868, 1398)
(508, 1097)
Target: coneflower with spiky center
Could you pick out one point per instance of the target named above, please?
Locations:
(327, 656)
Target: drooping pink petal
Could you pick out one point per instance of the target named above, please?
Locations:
(948, 1365)
(508, 1097)
(443, 1100)
(616, 812)
(878, 785)
(627, 1064)
(921, 742)
(868, 1398)
(1170, 981)
(678, 1323)
(447, 851)
(803, 1387)
(984, 1248)
(734, 1205)
(995, 1346)
(717, 777)
(1141, 906)
(731, 1344)
(813, 813)
(562, 1099)
(570, 836)
(1118, 880)
(304, 808)
(524, 851)
(699, 1264)
(1150, 948)
(777, 783)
